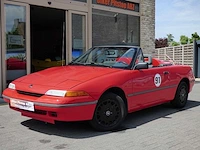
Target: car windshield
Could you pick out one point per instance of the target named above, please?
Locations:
(118, 57)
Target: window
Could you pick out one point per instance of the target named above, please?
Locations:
(115, 28)
(15, 27)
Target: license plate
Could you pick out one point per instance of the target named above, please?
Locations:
(22, 104)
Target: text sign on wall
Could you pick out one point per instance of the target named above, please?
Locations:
(118, 4)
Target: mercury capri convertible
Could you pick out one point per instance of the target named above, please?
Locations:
(101, 86)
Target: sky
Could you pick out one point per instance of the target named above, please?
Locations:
(177, 17)
(19, 12)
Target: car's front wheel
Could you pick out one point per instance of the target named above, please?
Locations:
(181, 96)
(109, 113)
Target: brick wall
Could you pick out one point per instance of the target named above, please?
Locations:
(147, 26)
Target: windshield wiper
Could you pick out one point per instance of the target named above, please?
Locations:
(97, 64)
(89, 64)
(76, 63)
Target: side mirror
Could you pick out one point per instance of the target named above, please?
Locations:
(142, 65)
(148, 58)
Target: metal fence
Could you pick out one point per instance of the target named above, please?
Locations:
(182, 54)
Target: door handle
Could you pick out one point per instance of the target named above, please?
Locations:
(166, 72)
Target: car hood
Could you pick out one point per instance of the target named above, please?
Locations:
(70, 75)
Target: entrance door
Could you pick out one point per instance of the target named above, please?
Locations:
(77, 34)
(48, 37)
(15, 43)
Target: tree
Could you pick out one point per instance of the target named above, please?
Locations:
(170, 39)
(195, 37)
(161, 42)
(184, 39)
(174, 43)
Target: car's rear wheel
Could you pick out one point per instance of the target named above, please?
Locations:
(181, 96)
(109, 113)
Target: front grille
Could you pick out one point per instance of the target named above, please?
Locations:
(41, 112)
(36, 111)
(30, 93)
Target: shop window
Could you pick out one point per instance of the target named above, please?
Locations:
(78, 35)
(115, 28)
(15, 25)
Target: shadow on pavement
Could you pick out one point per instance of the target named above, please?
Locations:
(136, 119)
(79, 130)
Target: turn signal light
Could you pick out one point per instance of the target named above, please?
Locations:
(76, 93)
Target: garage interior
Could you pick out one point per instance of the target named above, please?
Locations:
(47, 34)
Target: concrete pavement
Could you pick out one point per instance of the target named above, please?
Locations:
(157, 128)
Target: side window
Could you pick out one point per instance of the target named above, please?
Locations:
(140, 57)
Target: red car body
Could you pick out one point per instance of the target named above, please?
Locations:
(137, 87)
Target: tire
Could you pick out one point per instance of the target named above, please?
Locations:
(109, 113)
(181, 96)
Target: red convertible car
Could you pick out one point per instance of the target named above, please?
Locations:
(101, 86)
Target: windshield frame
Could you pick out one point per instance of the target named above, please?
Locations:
(117, 47)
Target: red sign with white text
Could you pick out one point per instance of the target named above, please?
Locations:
(118, 4)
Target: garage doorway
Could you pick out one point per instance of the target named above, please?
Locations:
(48, 38)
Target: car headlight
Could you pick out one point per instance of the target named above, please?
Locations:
(63, 93)
(60, 93)
(11, 86)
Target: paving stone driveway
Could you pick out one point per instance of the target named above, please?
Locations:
(157, 128)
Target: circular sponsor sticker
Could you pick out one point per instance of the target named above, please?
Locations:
(157, 80)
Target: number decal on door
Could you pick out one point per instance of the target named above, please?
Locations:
(157, 80)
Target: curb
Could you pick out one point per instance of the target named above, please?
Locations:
(197, 79)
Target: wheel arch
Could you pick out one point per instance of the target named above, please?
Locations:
(118, 91)
(181, 96)
(186, 80)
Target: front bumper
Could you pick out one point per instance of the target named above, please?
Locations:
(79, 110)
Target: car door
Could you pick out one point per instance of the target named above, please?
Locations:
(149, 86)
